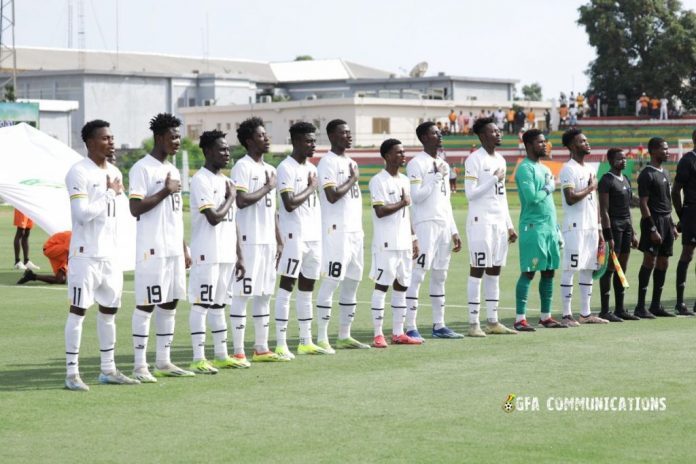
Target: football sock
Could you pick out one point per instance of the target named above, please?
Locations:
(324, 302)
(304, 316)
(682, 268)
(197, 317)
(546, 294)
(658, 283)
(619, 292)
(567, 291)
(474, 298)
(238, 319)
(437, 297)
(73, 337)
(521, 295)
(165, 320)
(106, 331)
(417, 277)
(282, 314)
(643, 281)
(398, 304)
(262, 318)
(491, 285)
(347, 302)
(378, 298)
(141, 331)
(585, 284)
(605, 290)
(218, 329)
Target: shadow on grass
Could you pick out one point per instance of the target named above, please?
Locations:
(10, 277)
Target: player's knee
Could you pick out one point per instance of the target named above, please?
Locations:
(287, 283)
(476, 272)
(304, 284)
(381, 288)
(170, 305)
(146, 309)
(77, 311)
(105, 310)
(398, 287)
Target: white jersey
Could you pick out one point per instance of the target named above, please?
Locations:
(430, 194)
(583, 214)
(346, 214)
(256, 222)
(305, 220)
(393, 232)
(93, 209)
(211, 244)
(487, 197)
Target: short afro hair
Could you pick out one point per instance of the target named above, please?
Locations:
(529, 136)
(333, 124)
(569, 136)
(480, 123)
(655, 143)
(301, 128)
(161, 123)
(247, 128)
(388, 145)
(612, 152)
(423, 128)
(91, 127)
(208, 138)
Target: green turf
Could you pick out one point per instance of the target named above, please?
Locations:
(440, 402)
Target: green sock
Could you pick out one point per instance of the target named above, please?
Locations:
(546, 294)
(521, 294)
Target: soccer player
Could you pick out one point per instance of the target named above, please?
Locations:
(56, 249)
(435, 228)
(657, 230)
(342, 237)
(489, 227)
(161, 253)
(255, 181)
(24, 225)
(394, 246)
(215, 254)
(94, 273)
(299, 219)
(539, 236)
(685, 180)
(615, 196)
(581, 223)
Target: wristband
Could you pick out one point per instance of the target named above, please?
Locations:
(608, 235)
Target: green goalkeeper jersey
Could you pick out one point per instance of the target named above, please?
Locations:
(537, 205)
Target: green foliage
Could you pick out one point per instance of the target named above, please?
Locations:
(532, 92)
(642, 46)
(304, 58)
(10, 95)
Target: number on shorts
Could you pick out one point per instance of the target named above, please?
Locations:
(111, 208)
(421, 260)
(230, 215)
(76, 296)
(335, 269)
(246, 286)
(443, 188)
(269, 203)
(380, 272)
(480, 259)
(573, 260)
(500, 188)
(176, 201)
(206, 293)
(154, 294)
(355, 191)
(292, 263)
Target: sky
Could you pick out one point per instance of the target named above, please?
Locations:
(532, 40)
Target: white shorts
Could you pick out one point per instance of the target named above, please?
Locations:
(91, 280)
(342, 256)
(390, 265)
(300, 257)
(160, 280)
(260, 276)
(580, 251)
(434, 244)
(488, 244)
(210, 284)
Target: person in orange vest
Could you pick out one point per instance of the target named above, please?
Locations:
(510, 120)
(56, 249)
(452, 121)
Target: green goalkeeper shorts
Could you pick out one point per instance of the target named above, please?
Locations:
(539, 248)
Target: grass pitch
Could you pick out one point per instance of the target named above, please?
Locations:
(440, 402)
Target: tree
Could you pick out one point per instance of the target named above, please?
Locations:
(9, 93)
(532, 92)
(642, 46)
(304, 58)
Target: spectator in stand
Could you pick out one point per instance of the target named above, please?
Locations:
(439, 126)
(56, 249)
(562, 100)
(499, 117)
(563, 116)
(547, 121)
(461, 122)
(520, 119)
(510, 121)
(580, 100)
(663, 109)
(452, 121)
(572, 115)
(654, 108)
(446, 129)
(638, 107)
(470, 123)
(531, 119)
(482, 114)
(453, 177)
(644, 100)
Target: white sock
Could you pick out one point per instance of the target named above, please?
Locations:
(378, 298)
(437, 297)
(165, 320)
(521, 317)
(324, 303)
(262, 317)
(304, 316)
(417, 277)
(398, 304)
(492, 291)
(347, 302)
(474, 297)
(218, 329)
(585, 284)
(141, 331)
(197, 317)
(282, 314)
(567, 291)
(238, 318)
(106, 331)
(73, 337)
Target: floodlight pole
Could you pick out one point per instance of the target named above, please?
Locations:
(8, 54)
